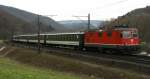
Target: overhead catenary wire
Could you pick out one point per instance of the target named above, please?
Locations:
(88, 23)
(103, 7)
(107, 5)
(100, 8)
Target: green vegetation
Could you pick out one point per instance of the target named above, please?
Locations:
(12, 70)
(66, 64)
(1, 41)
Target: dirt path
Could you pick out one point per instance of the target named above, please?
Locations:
(2, 48)
(6, 50)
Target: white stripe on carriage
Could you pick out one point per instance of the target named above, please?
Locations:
(63, 42)
(50, 34)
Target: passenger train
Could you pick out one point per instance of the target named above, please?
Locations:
(118, 39)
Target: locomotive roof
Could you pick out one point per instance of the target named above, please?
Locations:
(125, 28)
(51, 34)
(112, 29)
(63, 33)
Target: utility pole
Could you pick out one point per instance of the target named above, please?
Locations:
(12, 33)
(88, 25)
(39, 31)
(88, 21)
(38, 36)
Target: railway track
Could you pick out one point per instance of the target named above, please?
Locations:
(136, 63)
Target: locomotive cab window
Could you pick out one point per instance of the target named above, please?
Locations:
(134, 34)
(126, 34)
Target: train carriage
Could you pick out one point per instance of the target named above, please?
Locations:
(57, 39)
(70, 39)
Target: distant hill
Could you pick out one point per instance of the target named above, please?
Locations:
(139, 18)
(32, 18)
(23, 22)
(80, 25)
(11, 25)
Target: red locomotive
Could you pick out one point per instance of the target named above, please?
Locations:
(119, 38)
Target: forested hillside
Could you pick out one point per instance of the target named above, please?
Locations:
(11, 25)
(139, 18)
(15, 21)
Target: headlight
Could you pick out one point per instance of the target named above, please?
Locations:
(132, 40)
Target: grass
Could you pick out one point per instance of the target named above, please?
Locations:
(10, 69)
(1, 41)
(67, 65)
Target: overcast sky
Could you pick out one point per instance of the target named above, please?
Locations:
(65, 9)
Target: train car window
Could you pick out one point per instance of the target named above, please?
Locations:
(62, 37)
(66, 37)
(77, 37)
(55, 37)
(50, 37)
(58, 36)
(71, 37)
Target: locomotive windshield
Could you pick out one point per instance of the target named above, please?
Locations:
(126, 34)
(135, 34)
(129, 34)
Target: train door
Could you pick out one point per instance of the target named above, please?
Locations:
(81, 41)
